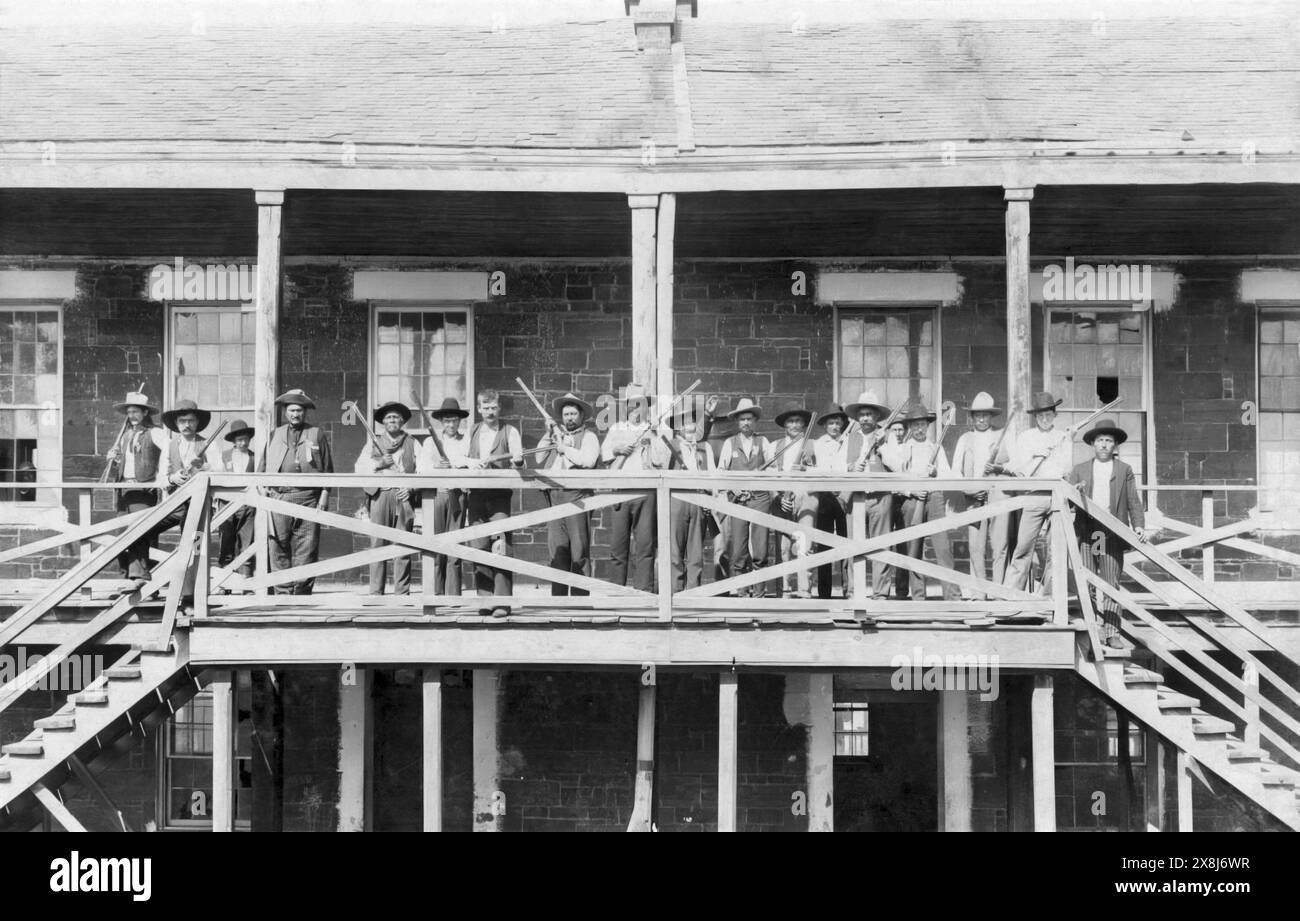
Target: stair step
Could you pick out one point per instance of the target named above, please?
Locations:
(123, 672)
(1275, 780)
(1171, 700)
(1136, 675)
(27, 748)
(1110, 652)
(1245, 755)
(4, 775)
(92, 698)
(59, 721)
(1211, 725)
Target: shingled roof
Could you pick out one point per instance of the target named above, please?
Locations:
(583, 88)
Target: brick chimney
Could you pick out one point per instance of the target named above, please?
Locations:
(655, 21)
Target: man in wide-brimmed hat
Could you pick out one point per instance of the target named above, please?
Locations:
(794, 452)
(864, 443)
(1110, 483)
(830, 454)
(976, 457)
(1039, 451)
(448, 502)
(492, 445)
(691, 452)
(237, 530)
(392, 453)
(186, 452)
(746, 452)
(633, 445)
(296, 447)
(920, 456)
(135, 458)
(573, 446)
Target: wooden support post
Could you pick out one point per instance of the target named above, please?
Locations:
(432, 681)
(1155, 782)
(266, 342)
(821, 751)
(1183, 771)
(1207, 522)
(1044, 753)
(1060, 534)
(1019, 327)
(643, 795)
(954, 761)
(203, 567)
(356, 749)
(1250, 678)
(664, 561)
(645, 325)
(728, 724)
(222, 688)
(54, 809)
(428, 572)
(664, 295)
(262, 556)
(489, 801)
(96, 789)
(84, 517)
(858, 567)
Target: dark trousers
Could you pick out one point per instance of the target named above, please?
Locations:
(880, 518)
(294, 542)
(236, 534)
(386, 509)
(634, 537)
(688, 546)
(134, 560)
(491, 505)
(747, 542)
(569, 541)
(916, 512)
(1103, 554)
(448, 506)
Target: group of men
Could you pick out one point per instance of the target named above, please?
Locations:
(841, 440)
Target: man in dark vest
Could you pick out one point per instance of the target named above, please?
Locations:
(633, 446)
(296, 447)
(135, 457)
(573, 446)
(1110, 483)
(493, 445)
(449, 503)
(689, 451)
(237, 530)
(391, 507)
(863, 454)
(746, 452)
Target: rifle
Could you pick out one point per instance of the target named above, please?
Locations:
(364, 419)
(803, 440)
(437, 442)
(1068, 435)
(117, 444)
(946, 415)
(551, 424)
(203, 450)
(622, 458)
(879, 437)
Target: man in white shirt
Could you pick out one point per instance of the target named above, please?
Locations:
(691, 453)
(185, 456)
(974, 458)
(392, 453)
(746, 452)
(237, 530)
(633, 446)
(793, 453)
(574, 446)
(492, 444)
(135, 457)
(1041, 451)
(920, 456)
(448, 502)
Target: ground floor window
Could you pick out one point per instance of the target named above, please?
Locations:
(185, 760)
(31, 396)
(1279, 410)
(851, 730)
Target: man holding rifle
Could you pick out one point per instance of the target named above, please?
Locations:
(296, 447)
(392, 452)
(1041, 451)
(976, 456)
(492, 445)
(135, 458)
(571, 445)
(442, 450)
(864, 447)
(633, 445)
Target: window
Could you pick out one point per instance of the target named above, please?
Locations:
(891, 350)
(851, 730)
(425, 351)
(185, 755)
(210, 350)
(31, 394)
(1094, 356)
(1279, 409)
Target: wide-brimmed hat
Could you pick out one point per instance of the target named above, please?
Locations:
(830, 412)
(793, 409)
(1105, 426)
(239, 427)
(1042, 402)
(393, 406)
(295, 397)
(570, 399)
(135, 398)
(914, 410)
(450, 407)
(983, 403)
(745, 405)
(867, 399)
(181, 408)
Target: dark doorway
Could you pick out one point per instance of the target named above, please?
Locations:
(894, 787)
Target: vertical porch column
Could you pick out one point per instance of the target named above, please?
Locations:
(432, 734)
(356, 751)
(821, 751)
(266, 344)
(1019, 344)
(645, 287)
(1044, 753)
(1183, 771)
(954, 761)
(488, 802)
(1155, 782)
(667, 226)
(223, 751)
(643, 793)
(728, 723)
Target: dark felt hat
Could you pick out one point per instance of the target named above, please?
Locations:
(393, 406)
(791, 410)
(295, 397)
(450, 407)
(831, 411)
(1042, 402)
(1105, 426)
(239, 427)
(181, 408)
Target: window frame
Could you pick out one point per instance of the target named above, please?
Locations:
(25, 513)
(850, 706)
(1149, 477)
(1280, 518)
(375, 307)
(163, 757)
(169, 343)
(936, 342)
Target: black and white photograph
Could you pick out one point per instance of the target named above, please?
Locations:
(651, 416)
